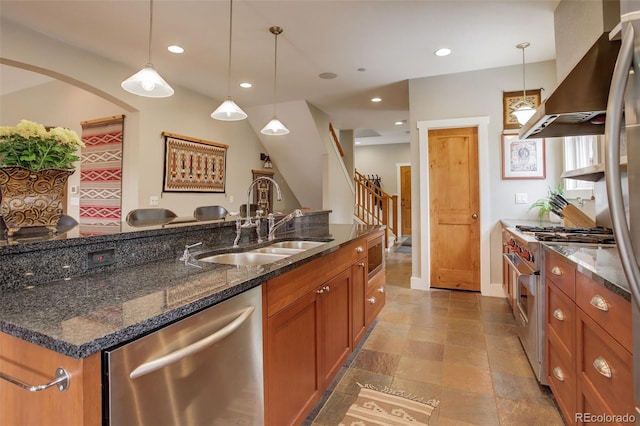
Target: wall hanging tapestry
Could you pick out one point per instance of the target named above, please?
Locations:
(388, 407)
(101, 176)
(193, 165)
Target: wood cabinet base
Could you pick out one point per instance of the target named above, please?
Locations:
(79, 405)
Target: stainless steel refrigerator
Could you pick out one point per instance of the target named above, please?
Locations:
(622, 132)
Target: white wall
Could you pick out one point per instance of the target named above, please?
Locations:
(186, 113)
(479, 94)
(382, 160)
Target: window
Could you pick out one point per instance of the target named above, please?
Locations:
(580, 152)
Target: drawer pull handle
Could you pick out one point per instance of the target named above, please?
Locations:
(556, 271)
(372, 300)
(381, 290)
(320, 291)
(327, 289)
(602, 367)
(359, 249)
(61, 380)
(598, 302)
(558, 374)
(558, 314)
(361, 264)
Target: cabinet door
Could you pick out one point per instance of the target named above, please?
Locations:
(335, 295)
(291, 356)
(359, 283)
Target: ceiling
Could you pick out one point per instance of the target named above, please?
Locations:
(374, 47)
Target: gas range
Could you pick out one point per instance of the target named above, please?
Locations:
(561, 234)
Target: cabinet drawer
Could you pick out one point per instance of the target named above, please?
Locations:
(285, 289)
(561, 377)
(604, 365)
(562, 272)
(561, 317)
(375, 298)
(610, 311)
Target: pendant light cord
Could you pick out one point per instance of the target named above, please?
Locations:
(275, 74)
(150, 27)
(523, 46)
(524, 87)
(230, 33)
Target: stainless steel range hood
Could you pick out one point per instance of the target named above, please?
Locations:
(578, 104)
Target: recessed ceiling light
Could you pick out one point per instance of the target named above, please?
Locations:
(327, 75)
(399, 123)
(376, 99)
(445, 51)
(175, 49)
(246, 85)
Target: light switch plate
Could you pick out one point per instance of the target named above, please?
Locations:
(521, 198)
(153, 200)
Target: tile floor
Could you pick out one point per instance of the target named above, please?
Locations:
(457, 347)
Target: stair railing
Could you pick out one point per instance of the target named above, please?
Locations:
(373, 206)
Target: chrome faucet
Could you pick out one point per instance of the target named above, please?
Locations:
(186, 256)
(248, 222)
(274, 226)
(255, 181)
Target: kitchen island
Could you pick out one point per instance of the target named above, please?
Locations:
(73, 320)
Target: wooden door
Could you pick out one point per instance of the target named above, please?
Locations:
(405, 199)
(291, 359)
(358, 289)
(336, 330)
(454, 208)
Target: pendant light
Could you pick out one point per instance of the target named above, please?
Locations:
(229, 110)
(524, 113)
(147, 82)
(275, 126)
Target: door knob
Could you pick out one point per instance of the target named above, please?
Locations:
(474, 216)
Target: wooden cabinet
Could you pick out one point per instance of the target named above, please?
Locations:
(315, 315)
(589, 352)
(561, 323)
(79, 405)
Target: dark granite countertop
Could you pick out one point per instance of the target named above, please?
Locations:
(600, 263)
(83, 315)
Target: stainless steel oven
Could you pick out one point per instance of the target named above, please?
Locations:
(525, 285)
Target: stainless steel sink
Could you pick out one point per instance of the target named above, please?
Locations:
(244, 259)
(278, 250)
(299, 245)
(262, 256)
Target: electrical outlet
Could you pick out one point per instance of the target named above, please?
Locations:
(101, 258)
(521, 198)
(231, 198)
(153, 200)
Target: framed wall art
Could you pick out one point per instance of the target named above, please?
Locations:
(511, 101)
(193, 165)
(522, 158)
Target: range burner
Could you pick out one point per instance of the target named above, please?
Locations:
(596, 235)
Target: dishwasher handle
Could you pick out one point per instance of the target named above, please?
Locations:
(170, 358)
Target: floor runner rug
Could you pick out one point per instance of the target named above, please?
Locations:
(101, 176)
(388, 408)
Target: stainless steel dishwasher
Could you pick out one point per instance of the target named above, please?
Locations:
(203, 370)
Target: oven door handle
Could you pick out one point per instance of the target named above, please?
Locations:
(519, 265)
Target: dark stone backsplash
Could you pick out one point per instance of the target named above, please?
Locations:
(22, 265)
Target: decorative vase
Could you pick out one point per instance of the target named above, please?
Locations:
(31, 198)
